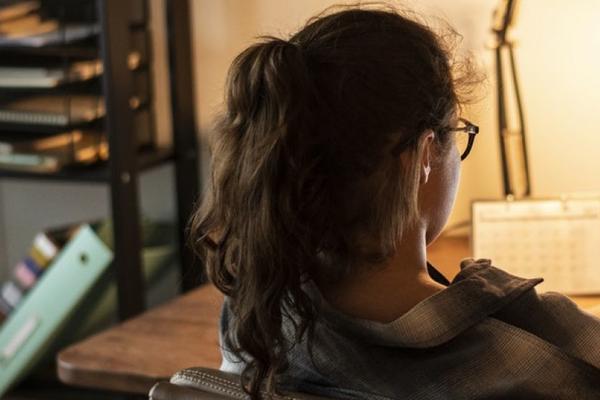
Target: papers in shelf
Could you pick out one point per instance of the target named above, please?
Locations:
(32, 77)
(48, 33)
(22, 25)
(53, 110)
(28, 25)
(17, 10)
(50, 154)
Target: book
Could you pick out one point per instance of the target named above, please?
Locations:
(91, 312)
(26, 273)
(30, 330)
(43, 250)
(46, 246)
(158, 262)
(53, 110)
(11, 294)
(41, 77)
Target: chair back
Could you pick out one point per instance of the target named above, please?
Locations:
(210, 384)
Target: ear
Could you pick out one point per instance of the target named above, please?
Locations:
(426, 144)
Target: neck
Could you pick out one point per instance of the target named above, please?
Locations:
(386, 291)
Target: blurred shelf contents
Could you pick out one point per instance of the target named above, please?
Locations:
(39, 315)
(53, 110)
(77, 104)
(51, 153)
(26, 24)
(17, 9)
(42, 316)
(53, 105)
(42, 36)
(46, 245)
(49, 77)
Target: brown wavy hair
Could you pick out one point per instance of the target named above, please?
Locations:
(306, 182)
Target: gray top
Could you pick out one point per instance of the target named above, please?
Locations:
(488, 335)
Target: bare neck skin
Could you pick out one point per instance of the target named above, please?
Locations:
(387, 292)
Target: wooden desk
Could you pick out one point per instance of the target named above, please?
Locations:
(132, 356)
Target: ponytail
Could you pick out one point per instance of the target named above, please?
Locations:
(257, 243)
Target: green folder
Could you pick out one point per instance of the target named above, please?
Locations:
(34, 325)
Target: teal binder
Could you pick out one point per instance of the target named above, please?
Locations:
(33, 326)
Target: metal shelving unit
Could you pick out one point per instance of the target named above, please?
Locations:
(126, 161)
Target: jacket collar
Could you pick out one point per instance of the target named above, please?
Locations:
(478, 291)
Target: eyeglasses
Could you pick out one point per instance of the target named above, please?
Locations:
(465, 143)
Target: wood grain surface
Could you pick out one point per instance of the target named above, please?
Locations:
(134, 355)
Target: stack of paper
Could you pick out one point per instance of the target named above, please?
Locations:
(42, 77)
(53, 110)
(20, 25)
(51, 153)
(17, 10)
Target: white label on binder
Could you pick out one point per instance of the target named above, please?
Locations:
(20, 338)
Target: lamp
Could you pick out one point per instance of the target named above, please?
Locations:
(513, 148)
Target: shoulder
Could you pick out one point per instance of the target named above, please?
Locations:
(551, 316)
(542, 310)
(557, 319)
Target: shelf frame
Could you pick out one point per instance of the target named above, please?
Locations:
(126, 162)
(184, 133)
(114, 17)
